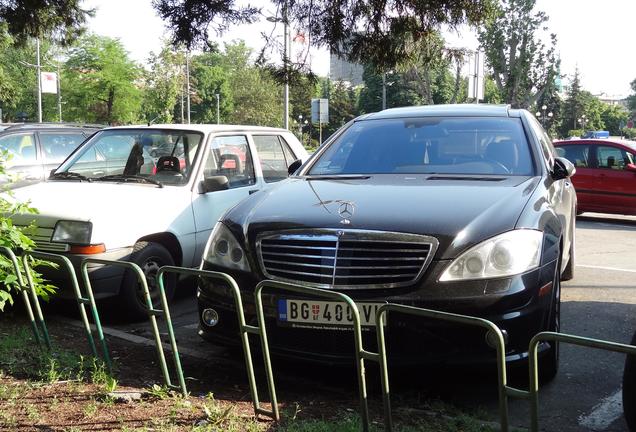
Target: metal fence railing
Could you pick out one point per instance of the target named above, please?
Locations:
(40, 331)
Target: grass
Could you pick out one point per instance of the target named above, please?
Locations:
(21, 357)
(29, 369)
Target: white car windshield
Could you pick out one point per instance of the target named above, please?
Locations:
(148, 155)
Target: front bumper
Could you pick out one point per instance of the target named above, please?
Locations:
(517, 305)
(105, 280)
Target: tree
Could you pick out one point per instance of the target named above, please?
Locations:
(391, 29)
(210, 78)
(614, 117)
(573, 107)
(522, 64)
(163, 85)
(59, 20)
(100, 82)
(255, 95)
(631, 99)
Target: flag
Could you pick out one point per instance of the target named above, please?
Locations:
(48, 81)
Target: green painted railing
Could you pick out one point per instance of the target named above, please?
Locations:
(40, 332)
(244, 331)
(152, 313)
(360, 353)
(81, 301)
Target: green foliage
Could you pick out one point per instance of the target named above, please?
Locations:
(17, 239)
(210, 78)
(99, 81)
(614, 118)
(392, 29)
(575, 133)
(523, 65)
(631, 99)
(163, 84)
(21, 356)
(629, 133)
(59, 20)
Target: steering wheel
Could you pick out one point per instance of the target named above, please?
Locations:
(499, 168)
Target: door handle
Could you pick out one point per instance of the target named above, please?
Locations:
(253, 191)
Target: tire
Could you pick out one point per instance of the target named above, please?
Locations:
(629, 389)
(149, 256)
(549, 363)
(568, 272)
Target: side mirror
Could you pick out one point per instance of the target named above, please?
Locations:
(52, 172)
(213, 184)
(630, 167)
(562, 168)
(293, 167)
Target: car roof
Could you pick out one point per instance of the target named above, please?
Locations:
(623, 142)
(450, 110)
(56, 126)
(205, 128)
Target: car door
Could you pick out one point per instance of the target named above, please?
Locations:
(274, 156)
(24, 160)
(230, 156)
(585, 178)
(615, 182)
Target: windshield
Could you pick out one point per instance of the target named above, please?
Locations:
(165, 156)
(429, 145)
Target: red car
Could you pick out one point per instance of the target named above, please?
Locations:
(605, 178)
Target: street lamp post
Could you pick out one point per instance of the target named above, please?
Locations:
(286, 47)
(300, 126)
(583, 121)
(543, 117)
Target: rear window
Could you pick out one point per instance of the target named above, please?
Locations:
(429, 145)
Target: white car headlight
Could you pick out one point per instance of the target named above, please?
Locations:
(75, 232)
(507, 254)
(223, 250)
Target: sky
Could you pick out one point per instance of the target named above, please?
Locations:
(596, 36)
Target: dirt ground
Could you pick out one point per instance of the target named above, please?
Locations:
(218, 393)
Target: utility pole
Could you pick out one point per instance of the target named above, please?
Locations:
(188, 86)
(39, 72)
(383, 90)
(218, 116)
(286, 65)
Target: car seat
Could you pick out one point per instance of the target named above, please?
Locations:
(168, 165)
(229, 165)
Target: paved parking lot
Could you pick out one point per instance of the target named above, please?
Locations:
(599, 302)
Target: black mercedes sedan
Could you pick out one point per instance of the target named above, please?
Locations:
(457, 208)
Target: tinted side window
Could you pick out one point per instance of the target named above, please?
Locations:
(612, 158)
(57, 146)
(578, 154)
(544, 139)
(21, 148)
(271, 157)
(230, 156)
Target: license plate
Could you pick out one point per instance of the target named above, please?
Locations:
(319, 313)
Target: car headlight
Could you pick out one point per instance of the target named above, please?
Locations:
(75, 232)
(507, 254)
(223, 250)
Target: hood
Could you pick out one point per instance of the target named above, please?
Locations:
(458, 210)
(115, 209)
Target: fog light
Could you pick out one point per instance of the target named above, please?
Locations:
(491, 338)
(210, 317)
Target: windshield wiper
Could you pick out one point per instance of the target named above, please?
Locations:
(338, 177)
(70, 175)
(129, 178)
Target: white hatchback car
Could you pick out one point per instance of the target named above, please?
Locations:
(151, 195)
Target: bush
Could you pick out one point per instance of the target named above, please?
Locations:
(17, 239)
(629, 133)
(575, 133)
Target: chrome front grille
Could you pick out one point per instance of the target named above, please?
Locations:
(345, 258)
